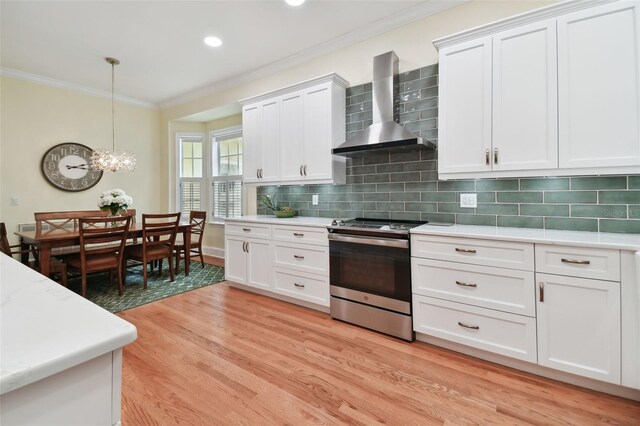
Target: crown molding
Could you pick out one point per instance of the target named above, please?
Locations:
(402, 18)
(38, 79)
(536, 15)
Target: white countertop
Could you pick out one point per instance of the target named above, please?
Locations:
(548, 236)
(45, 328)
(297, 220)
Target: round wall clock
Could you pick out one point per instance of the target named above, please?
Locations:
(67, 166)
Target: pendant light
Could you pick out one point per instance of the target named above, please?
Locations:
(110, 160)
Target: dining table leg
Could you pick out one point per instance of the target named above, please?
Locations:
(45, 259)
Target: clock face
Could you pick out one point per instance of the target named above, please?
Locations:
(67, 167)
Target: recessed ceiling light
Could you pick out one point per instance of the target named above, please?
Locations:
(294, 2)
(214, 41)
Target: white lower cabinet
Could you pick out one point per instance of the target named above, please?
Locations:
(567, 319)
(248, 261)
(275, 263)
(579, 326)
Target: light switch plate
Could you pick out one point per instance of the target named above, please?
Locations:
(14, 201)
(314, 199)
(469, 200)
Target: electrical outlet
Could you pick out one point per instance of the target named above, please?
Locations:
(314, 199)
(469, 200)
(14, 201)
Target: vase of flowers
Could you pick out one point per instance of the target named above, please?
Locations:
(115, 201)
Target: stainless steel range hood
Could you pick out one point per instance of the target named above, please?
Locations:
(384, 133)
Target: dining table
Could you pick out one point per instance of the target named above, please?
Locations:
(47, 241)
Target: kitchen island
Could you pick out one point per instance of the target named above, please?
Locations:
(60, 354)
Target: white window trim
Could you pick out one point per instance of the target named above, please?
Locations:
(208, 178)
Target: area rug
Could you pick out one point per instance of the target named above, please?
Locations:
(158, 287)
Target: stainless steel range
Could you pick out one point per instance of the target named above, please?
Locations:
(370, 274)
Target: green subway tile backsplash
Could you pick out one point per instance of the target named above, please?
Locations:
(404, 184)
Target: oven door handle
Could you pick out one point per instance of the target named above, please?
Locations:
(374, 241)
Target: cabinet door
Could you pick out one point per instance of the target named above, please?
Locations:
(317, 132)
(579, 326)
(598, 87)
(525, 112)
(291, 137)
(269, 136)
(465, 107)
(235, 264)
(259, 264)
(251, 142)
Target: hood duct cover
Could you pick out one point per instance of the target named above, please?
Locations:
(384, 133)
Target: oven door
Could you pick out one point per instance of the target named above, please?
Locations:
(372, 265)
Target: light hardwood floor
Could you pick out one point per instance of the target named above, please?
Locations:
(219, 355)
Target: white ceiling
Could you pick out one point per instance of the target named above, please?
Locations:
(159, 43)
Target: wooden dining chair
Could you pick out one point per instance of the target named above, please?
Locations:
(58, 267)
(158, 240)
(102, 243)
(197, 220)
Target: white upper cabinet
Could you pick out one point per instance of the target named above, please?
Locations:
(551, 92)
(291, 137)
(295, 130)
(599, 91)
(465, 107)
(525, 114)
(260, 135)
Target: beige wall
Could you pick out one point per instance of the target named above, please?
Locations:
(412, 43)
(34, 117)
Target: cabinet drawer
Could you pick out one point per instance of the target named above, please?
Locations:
(502, 254)
(601, 264)
(314, 259)
(248, 229)
(313, 289)
(494, 288)
(498, 332)
(301, 234)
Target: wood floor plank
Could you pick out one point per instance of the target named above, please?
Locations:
(220, 355)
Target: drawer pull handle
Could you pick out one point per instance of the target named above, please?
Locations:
(295, 256)
(541, 286)
(247, 246)
(495, 156)
(486, 157)
(461, 250)
(299, 285)
(297, 234)
(301, 171)
(244, 246)
(576, 262)
(246, 229)
(472, 327)
(466, 284)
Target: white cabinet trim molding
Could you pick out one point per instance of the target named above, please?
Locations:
(327, 78)
(515, 21)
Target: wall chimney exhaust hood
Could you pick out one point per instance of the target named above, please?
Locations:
(384, 133)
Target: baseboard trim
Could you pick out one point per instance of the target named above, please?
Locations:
(213, 251)
(549, 373)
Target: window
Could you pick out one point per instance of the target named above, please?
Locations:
(216, 165)
(226, 175)
(191, 177)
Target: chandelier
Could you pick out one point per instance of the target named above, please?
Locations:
(110, 160)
